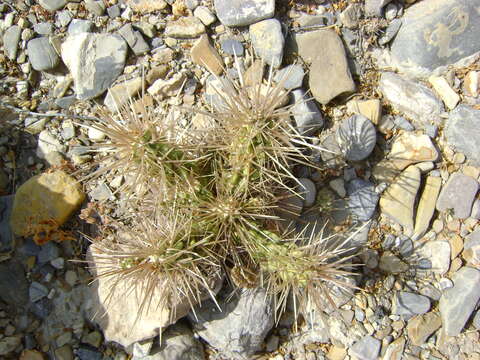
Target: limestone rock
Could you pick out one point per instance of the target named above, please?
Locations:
(443, 88)
(410, 148)
(243, 12)
(438, 254)
(42, 54)
(185, 28)
(267, 40)
(426, 205)
(462, 132)
(371, 109)
(119, 95)
(147, 6)
(458, 194)
(206, 55)
(49, 196)
(421, 327)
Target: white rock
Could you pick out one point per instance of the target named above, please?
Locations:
(448, 95)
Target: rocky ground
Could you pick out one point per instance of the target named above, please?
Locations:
(394, 88)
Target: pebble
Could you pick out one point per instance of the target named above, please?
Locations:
(421, 327)
(48, 252)
(367, 348)
(86, 352)
(52, 5)
(338, 185)
(118, 96)
(391, 264)
(37, 291)
(9, 344)
(11, 38)
(243, 12)
(438, 252)
(64, 353)
(458, 194)
(95, 7)
(42, 54)
(471, 84)
(204, 54)
(410, 148)
(291, 76)
(43, 28)
(268, 41)
(357, 137)
(307, 191)
(78, 26)
(471, 248)
(362, 199)
(134, 39)
(444, 90)
(308, 118)
(457, 303)
(375, 7)
(232, 47)
(392, 30)
(185, 28)
(407, 304)
(351, 15)
(426, 205)
(205, 15)
(371, 109)
(462, 132)
(167, 88)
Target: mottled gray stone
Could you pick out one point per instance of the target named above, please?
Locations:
(413, 99)
(437, 33)
(407, 304)
(362, 199)
(13, 284)
(134, 39)
(243, 12)
(232, 47)
(52, 5)
(95, 7)
(43, 28)
(457, 303)
(306, 113)
(42, 54)
(11, 38)
(37, 291)
(291, 76)
(374, 7)
(390, 32)
(458, 194)
(78, 26)
(267, 40)
(462, 132)
(48, 252)
(95, 61)
(307, 191)
(357, 137)
(367, 348)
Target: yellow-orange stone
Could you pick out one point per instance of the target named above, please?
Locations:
(49, 196)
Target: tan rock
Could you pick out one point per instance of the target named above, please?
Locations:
(49, 196)
(254, 73)
(398, 201)
(147, 6)
(426, 205)
(471, 84)
(158, 72)
(395, 350)
(185, 28)
(206, 55)
(421, 327)
(120, 94)
(167, 88)
(443, 88)
(31, 355)
(336, 353)
(371, 109)
(410, 148)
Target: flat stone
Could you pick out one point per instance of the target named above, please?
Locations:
(43, 28)
(435, 34)
(411, 148)
(96, 7)
(95, 61)
(371, 109)
(78, 26)
(307, 116)
(11, 38)
(457, 303)
(398, 201)
(232, 47)
(119, 95)
(147, 6)
(267, 40)
(291, 76)
(362, 199)
(458, 194)
(43, 198)
(375, 7)
(395, 349)
(329, 72)
(351, 16)
(421, 327)
(204, 54)
(31, 355)
(52, 5)
(167, 88)
(407, 304)
(367, 348)
(392, 30)
(426, 205)
(243, 12)
(42, 54)
(471, 249)
(411, 98)
(391, 264)
(134, 39)
(357, 137)
(471, 84)
(64, 353)
(438, 253)
(185, 28)
(205, 15)
(462, 132)
(445, 91)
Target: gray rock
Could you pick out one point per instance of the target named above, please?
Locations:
(240, 327)
(95, 7)
(95, 61)
(37, 291)
(458, 194)
(367, 348)
(307, 191)
(438, 254)
(42, 54)
(9, 344)
(374, 7)
(243, 12)
(267, 40)
(351, 15)
(63, 18)
(78, 26)
(329, 72)
(413, 99)
(391, 264)
(52, 5)
(290, 76)
(407, 304)
(6, 236)
(308, 118)
(476, 320)
(11, 38)
(392, 30)
(43, 28)
(457, 303)
(462, 132)
(13, 284)
(232, 47)
(356, 136)
(113, 11)
(436, 33)
(403, 123)
(362, 199)
(134, 39)
(48, 252)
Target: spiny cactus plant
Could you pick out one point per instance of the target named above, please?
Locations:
(206, 201)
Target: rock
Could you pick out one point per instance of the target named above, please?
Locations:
(371, 109)
(291, 76)
(362, 199)
(443, 88)
(476, 320)
(410, 148)
(37, 291)
(307, 191)
(43, 198)
(13, 284)
(458, 194)
(375, 7)
(356, 137)
(392, 30)
(52, 5)
(147, 6)
(267, 40)
(462, 132)
(240, 327)
(95, 61)
(9, 344)
(367, 348)
(120, 94)
(48, 252)
(42, 54)
(205, 15)
(438, 253)
(95, 7)
(43, 28)
(338, 185)
(78, 26)
(351, 15)
(47, 143)
(163, 55)
(403, 123)
(407, 304)
(391, 264)
(206, 55)
(232, 47)
(64, 353)
(426, 205)
(6, 237)
(457, 303)
(421, 327)
(243, 12)
(395, 350)
(398, 201)
(134, 39)
(31, 355)
(85, 352)
(308, 118)
(436, 34)
(185, 28)
(471, 84)
(329, 74)
(471, 249)
(11, 38)
(167, 88)
(411, 98)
